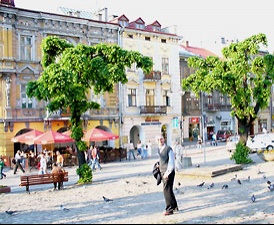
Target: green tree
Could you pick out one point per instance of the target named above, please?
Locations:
(243, 74)
(70, 72)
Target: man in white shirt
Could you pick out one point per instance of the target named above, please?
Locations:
(167, 169)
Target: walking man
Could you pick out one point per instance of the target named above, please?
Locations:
(167, 169)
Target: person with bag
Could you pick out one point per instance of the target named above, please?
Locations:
(167, 169)
(18, 162)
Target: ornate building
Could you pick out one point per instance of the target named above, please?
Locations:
(150, 103)
(21, 33)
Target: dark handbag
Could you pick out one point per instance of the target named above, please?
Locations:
(13, 161)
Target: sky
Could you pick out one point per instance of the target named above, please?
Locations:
(200, 22)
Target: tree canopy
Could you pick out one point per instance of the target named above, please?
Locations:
(70, 72)
(244, 73)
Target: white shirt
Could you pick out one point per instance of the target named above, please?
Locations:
(171, 161)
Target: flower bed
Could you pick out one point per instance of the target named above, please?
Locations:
(266, 155)
(4, 189)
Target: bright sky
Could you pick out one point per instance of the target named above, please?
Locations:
(198, 21)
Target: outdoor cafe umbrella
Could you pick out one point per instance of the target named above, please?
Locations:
(28, 137)
(51, 137)
(96, 134)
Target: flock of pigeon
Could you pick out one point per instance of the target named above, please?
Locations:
(225, 186)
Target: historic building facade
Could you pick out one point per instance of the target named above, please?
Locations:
(21, 34)
(150, 103)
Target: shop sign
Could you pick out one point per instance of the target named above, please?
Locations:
(194, 120)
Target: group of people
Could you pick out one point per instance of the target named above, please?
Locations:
(93, 157)
(143, 151)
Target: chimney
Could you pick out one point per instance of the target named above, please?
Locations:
(186, 43)
(100, 16)
(106, 14)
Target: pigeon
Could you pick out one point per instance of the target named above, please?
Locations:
(63, 208)
(268, 182)
(264, 176)
(127, 181)
(271, 187)
(198, 166)
(239, 182)
(179, 184)
(107, 199)
(253, 198)
(234, 178)
(225, 186)
(259, 171)
(144, 182)
(201, 184)
(10, 212)
(211, 186)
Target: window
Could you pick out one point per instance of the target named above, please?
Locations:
(163, 40)
(221, 99)
(25, 47)
(147, 38)
(99, 99)
(25, 101)
(166, 98)
(165, 65)
(149, 97)
(132, 97)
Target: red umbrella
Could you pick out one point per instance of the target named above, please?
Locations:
(50, 137)
(27, 137)
(96, 134)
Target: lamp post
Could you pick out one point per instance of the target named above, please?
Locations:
(203, 124)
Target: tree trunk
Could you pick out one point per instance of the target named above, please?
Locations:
(81, 157)
(243, 129)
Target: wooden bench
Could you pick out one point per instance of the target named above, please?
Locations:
(36, 179)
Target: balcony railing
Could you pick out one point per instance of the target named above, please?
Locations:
(153, 75)
(153, 109)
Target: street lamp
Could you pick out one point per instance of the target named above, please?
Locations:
(203, 124)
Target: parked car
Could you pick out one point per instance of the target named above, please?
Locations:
(223, 135)
(255, 143)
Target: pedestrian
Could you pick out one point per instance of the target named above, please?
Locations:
(31, 160)
(59, 159)
(139, 149)
(214, 139)
(178, 154)
(167, 169)
(18, 162)
(199, 142)
(130, 149)
(89, 155)
(149, 149)
(2, 167)
(95, 158)
(145, 152)
(43, 164)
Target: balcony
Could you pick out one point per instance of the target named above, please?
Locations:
(153, 110)
(153, 75)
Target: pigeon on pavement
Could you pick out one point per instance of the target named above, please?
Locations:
(253, 198)
(211, 186)
(10, 212)
(63, 208)
(107, 199)
(225, 186)
(201, 184)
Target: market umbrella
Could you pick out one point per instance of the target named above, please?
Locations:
(96, 134)
(51, 137)
(27, 137)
